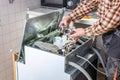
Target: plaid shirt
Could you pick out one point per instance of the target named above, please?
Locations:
(108, 11)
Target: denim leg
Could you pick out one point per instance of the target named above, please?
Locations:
(112, 64)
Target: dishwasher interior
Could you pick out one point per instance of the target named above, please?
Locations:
(53, 51)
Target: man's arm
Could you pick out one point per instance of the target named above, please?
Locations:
(85, 7)
(108, 22)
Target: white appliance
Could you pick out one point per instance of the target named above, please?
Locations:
(41, 63)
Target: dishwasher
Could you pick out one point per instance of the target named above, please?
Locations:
(46, 54)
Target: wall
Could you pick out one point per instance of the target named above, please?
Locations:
(12, 19)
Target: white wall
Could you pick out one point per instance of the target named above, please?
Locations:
(12, 17)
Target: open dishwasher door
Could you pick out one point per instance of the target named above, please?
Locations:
(37, 64)
(40, 59)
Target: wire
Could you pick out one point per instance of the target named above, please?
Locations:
(101, 60)
(80, 69)
(90, 64)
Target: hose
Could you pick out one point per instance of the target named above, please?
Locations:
(101, 60)
(90, 64)
(80, 69)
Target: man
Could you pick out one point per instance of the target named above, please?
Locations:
(108, 26)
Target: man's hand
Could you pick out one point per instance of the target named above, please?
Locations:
(65, 22)
(79, 32)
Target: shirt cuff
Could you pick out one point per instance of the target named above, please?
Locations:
(88, 32)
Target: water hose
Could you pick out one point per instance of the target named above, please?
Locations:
(81, 70)
(101, 60)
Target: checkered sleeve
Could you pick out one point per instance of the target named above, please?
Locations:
(108, 22)
(85, 7)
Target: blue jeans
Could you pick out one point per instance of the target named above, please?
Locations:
(113, 66)
(111, 43)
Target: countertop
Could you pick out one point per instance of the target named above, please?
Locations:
(44, 10)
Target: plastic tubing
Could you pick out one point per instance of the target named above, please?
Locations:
(80, 69)
(101, 60)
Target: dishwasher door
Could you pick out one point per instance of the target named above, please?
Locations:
(42, 65)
